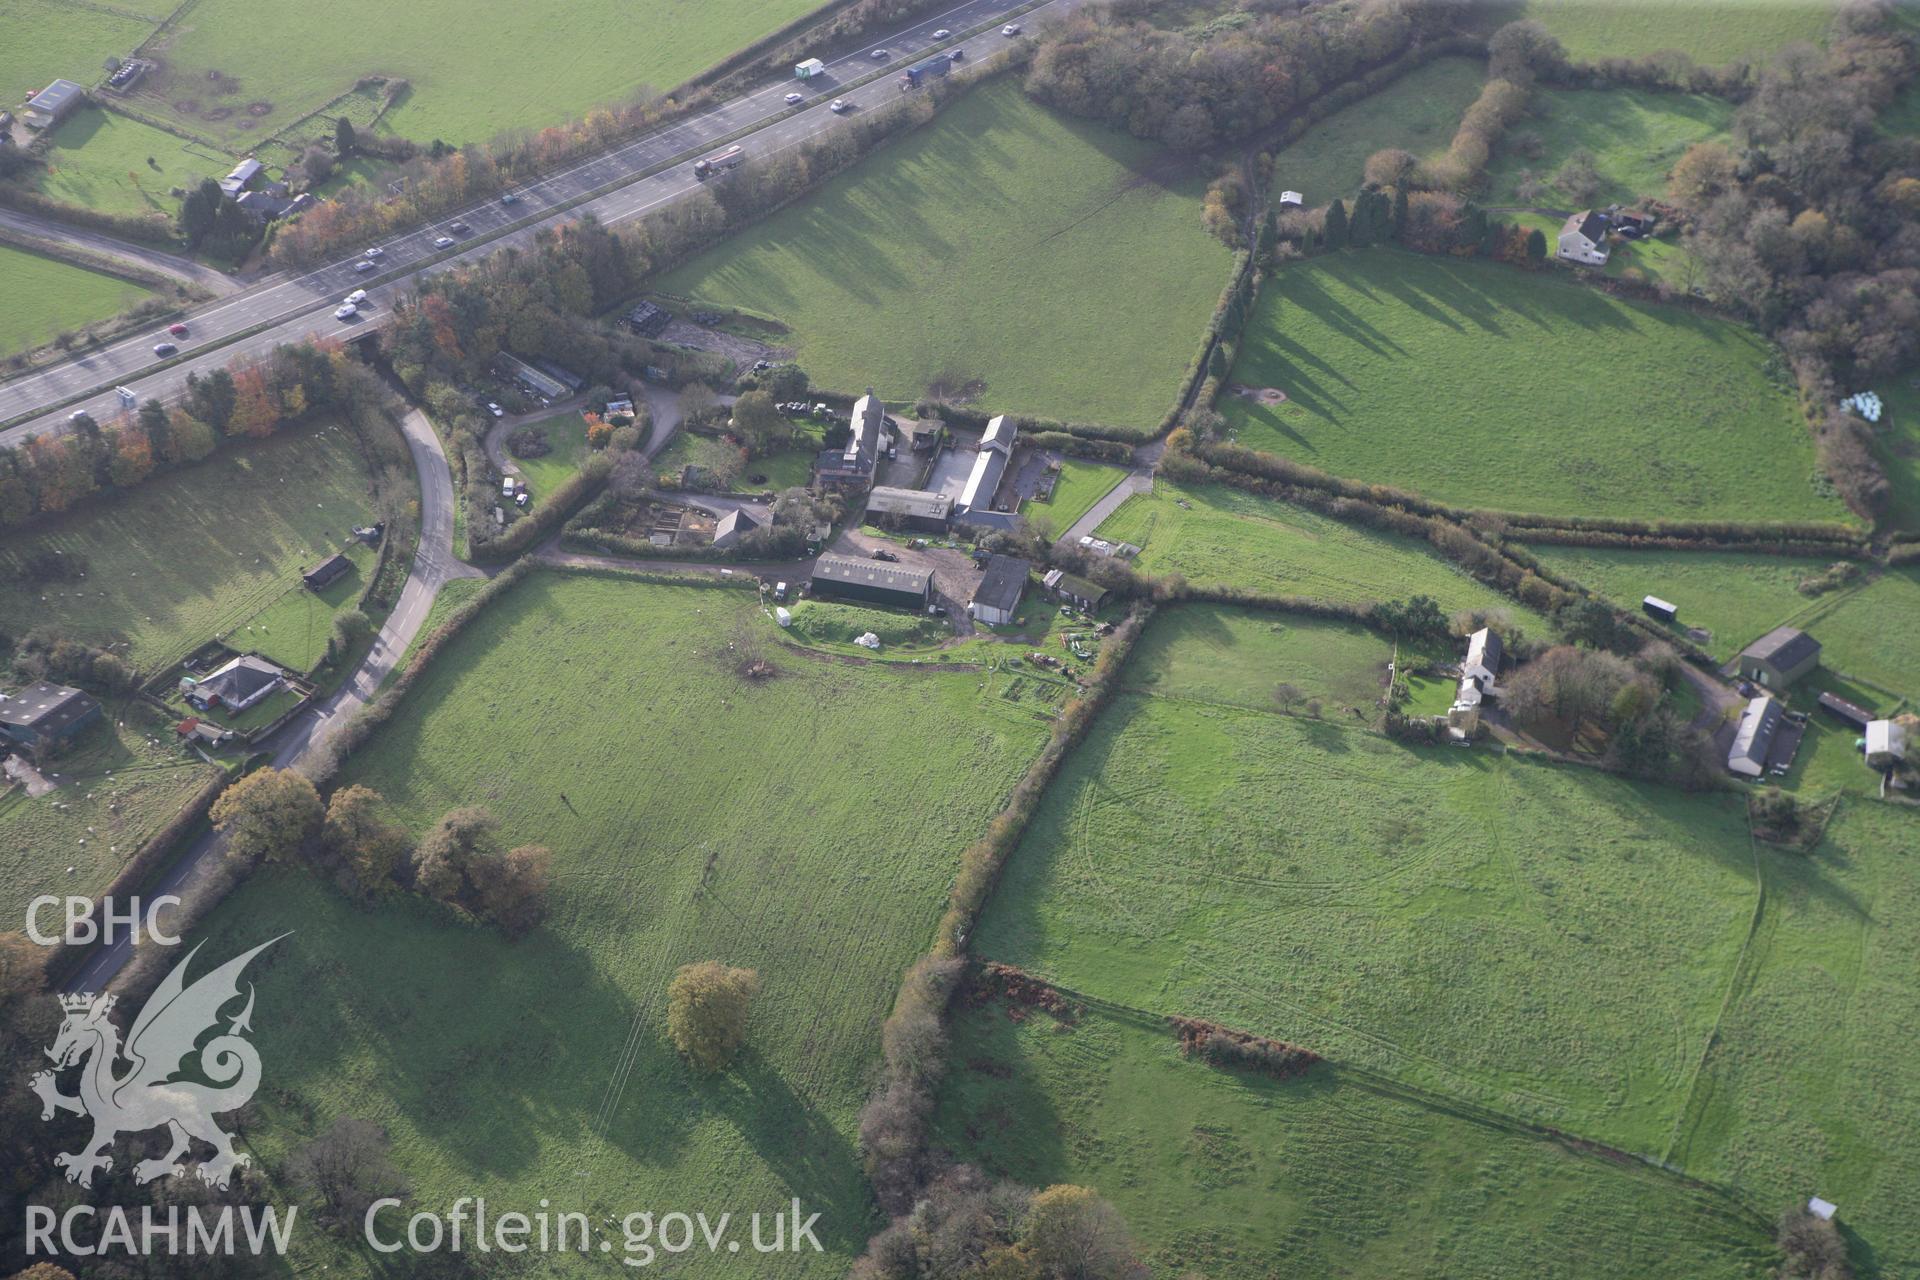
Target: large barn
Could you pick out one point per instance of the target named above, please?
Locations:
(873, 581)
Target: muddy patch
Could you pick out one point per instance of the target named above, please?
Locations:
(257, 109)
(956, 388)
(1259, 395)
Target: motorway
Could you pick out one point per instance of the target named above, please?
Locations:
(290, 308)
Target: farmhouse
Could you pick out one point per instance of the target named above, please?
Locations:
(872, 581)
(1076, 591)
(1583, 239)
(1754, 739)
(918, 509)
(52, 104)
(997, 597)
(996, 447)
(42, 718)
(236, 686)
(1478, 674)
(244, 175)
(326, 573)
(850, 469)
(1779, 657)
(733, 526)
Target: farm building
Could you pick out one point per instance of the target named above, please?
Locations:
(1291, 199)
(1754, 739)
(236, 686)
(733, 526)
(242, 178)
(997, 598)
(539, 383)
(918, 509)
(326, 573)
(850, 469)
(52, 104)
(872, 581)
(1660, 610)
(1583, 239)
(648, 320)
(1848, 713)
(1075, 591)
(996, 448)
(43, 717)
(919, 435)
(1886, 743)
(1779, 657)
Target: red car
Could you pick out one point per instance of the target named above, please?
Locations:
(177, 330)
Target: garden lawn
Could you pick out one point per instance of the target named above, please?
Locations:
(567, 433)
(1711, 32)
(690, 818)
(1810, 1084)
(1212, 653)
(1240, 1177)
(1486, 386)
(1418, 112)
(294, 630)
(1662, 259)
(194, 553)
(1081, 484)
(503, 64)
(46, 296)
(47, 40)
(1218, 536)
(1029, 261)
(118, 789)
(99, 160)
(1634, 136)
(1546, 940)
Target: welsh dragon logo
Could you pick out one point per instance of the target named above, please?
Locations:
(147, 1095)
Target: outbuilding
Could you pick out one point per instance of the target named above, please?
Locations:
(43, 717)
(989, 465)
(873, 581)
(1848, 713)
(1074, 590)
(326, 573)
(53, 104)
(1754, 739)
(1658, 609)
(1886, 743)
(733, 526)
(1780, 657)
(997, 599)
(919, 509)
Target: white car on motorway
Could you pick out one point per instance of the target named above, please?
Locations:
(839, 106)
(355, 298)
(363, 266)
(443, 242)
(792, 98)
(879, 55)
(942, 34)
(376, 252)
(346, 311)
(1011, 29)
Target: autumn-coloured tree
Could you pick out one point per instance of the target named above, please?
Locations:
(707, 1008)
(269, 815)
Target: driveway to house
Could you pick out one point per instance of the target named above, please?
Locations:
(496, 441)
(1133, 482)
(185, 270)
(298, 741)
(1718, 702)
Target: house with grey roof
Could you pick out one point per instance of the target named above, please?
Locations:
(1780, 657)
(240, 684)
(1583, 239)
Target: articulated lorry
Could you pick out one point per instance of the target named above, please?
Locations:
(919, 75)
(718, 162)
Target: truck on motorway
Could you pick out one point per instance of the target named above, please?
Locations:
(918, 75)
(718, 162)
(809, 69)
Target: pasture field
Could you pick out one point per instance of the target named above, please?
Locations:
(1634, 136)
(1081, 484)
(690, 818)
(1002, 254)
(1218, 536)
(1711, 32)
(121, 781)
(1418, 112)
(1870, 633)
(293, 630)
(47, 40)
(1240, 1177)
(1810, 1081)
(1486, 386)
(196, 552)
(47, 296)
(504, 64)
(100, 160)
(1209, 653)
(1544, 940)
(1897, 439)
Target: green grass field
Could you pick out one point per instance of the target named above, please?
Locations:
(567, 433)
(691, 816)
(501, 65)
(1418, 112)
(120, 782)
(293, 631)
(1205, 653)
(1486, 386)
(1548, 941)
(47, 40)
(1870, 633)
(1709, 31)
(1219, 536)
(1040, 263)
(99, 160)
(1809, 1083)
(1081, 484)
(198, 551)
(1634, 136)
(1239, 1177)
(1898, 444)
(47, 296)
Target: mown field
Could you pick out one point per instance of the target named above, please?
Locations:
(1634, 136)
(1418, 112)
(1081, 484)
(1215, 536)
(503, 64)
(121, 782)
(118, 165)
(1241, 656)
(1024, 260)
(1711, 32)
(1486, 386)
(691, 817)
(1545, 940)
(46, 296)
(1809, 1086)
(198, 551)
(1240, 1177)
